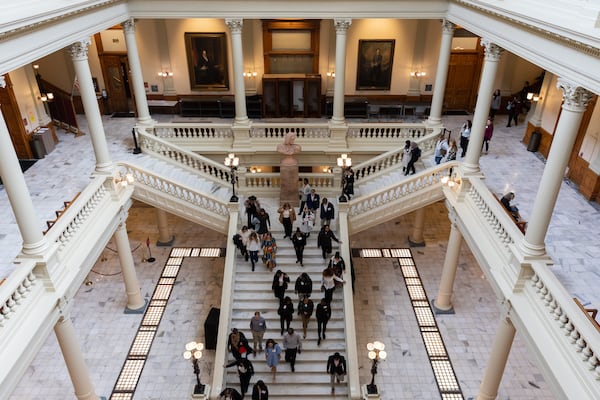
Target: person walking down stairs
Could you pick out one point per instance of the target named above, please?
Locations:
(272, 355)
(292, 345)
(336, 368)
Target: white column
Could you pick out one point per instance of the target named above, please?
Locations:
(575, 101)
(494, 370)
(34, 241)
(235, 30)
(132, 287)
(350, 323)
(164, 237)
(482, 108)
(79, 54)
(78, 371)
(443, 301)
(538, 106)
(137, 79)
(341, 27)
(439, 87)
(416, 238)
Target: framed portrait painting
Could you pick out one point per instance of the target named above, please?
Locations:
(374, 66)
(207, 61)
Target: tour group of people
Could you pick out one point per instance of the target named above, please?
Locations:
(255, 237)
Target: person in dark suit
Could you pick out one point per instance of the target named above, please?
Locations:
(230, 394)
(245, 371)
(336, 368)
(324, 240)
(327, 212)
(313, 200)
(323, 315)
(260, 391)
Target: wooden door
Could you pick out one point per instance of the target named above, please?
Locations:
(116, 78)
(463, 80)
(12, 117)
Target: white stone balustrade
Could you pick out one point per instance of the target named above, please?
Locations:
(171, 152)
(13, 293)
(186, 194)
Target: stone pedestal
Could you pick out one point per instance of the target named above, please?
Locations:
(369, 396)
(289, 181)
(203, 396)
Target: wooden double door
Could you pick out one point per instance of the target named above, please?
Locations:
(115, 68)
(464, 71)
(292, 95)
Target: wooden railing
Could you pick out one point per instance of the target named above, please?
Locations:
(61, 107)
(59, 213)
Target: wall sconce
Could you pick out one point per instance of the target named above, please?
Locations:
(418, 74)
(36, 66)
(450, 181)
(255, 170)
(250, 74)
(164, 74)
(46, 97)
(331, 74)
(124, 180)
(533, 97)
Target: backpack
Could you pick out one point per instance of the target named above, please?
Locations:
(417, 153)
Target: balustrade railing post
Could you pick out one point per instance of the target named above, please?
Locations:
(241, 181)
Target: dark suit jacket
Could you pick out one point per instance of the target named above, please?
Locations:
(313, 202)
(340, 369)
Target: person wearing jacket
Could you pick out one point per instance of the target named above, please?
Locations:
(336, 368)
(327, 212)
(305, 310)
(326, 235)
(286, 313)
(245, 371)
(260, 391)
(299, 241)
(323, 315)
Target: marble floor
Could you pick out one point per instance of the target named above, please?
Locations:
(381, 303)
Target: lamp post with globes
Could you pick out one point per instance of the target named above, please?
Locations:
(344, 162)
(376, 353)
(232, 162)
(193, 351)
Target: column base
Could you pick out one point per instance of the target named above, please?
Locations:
(140, 310)
(201, 393)
(168, 243)
(440, 311)
(366, 389)
(416, 244)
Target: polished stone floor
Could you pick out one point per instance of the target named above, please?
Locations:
(381, 301)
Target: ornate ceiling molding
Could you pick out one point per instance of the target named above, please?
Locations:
(568, 42)
(66, 14)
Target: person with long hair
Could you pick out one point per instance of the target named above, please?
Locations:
(269, 246)
(299, 241)
(260, 391)
(465, 135)
(287, 216)
(253, 248)
(272, 355)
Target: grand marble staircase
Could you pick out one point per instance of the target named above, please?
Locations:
(176, 173)
(252, 292)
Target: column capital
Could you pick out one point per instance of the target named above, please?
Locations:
(128, 26)
(342, 24)
(234, 24)
(2, 82)
(575, 97)
(79, 50)
(492, 50)
(64, 308)
(447, 27)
